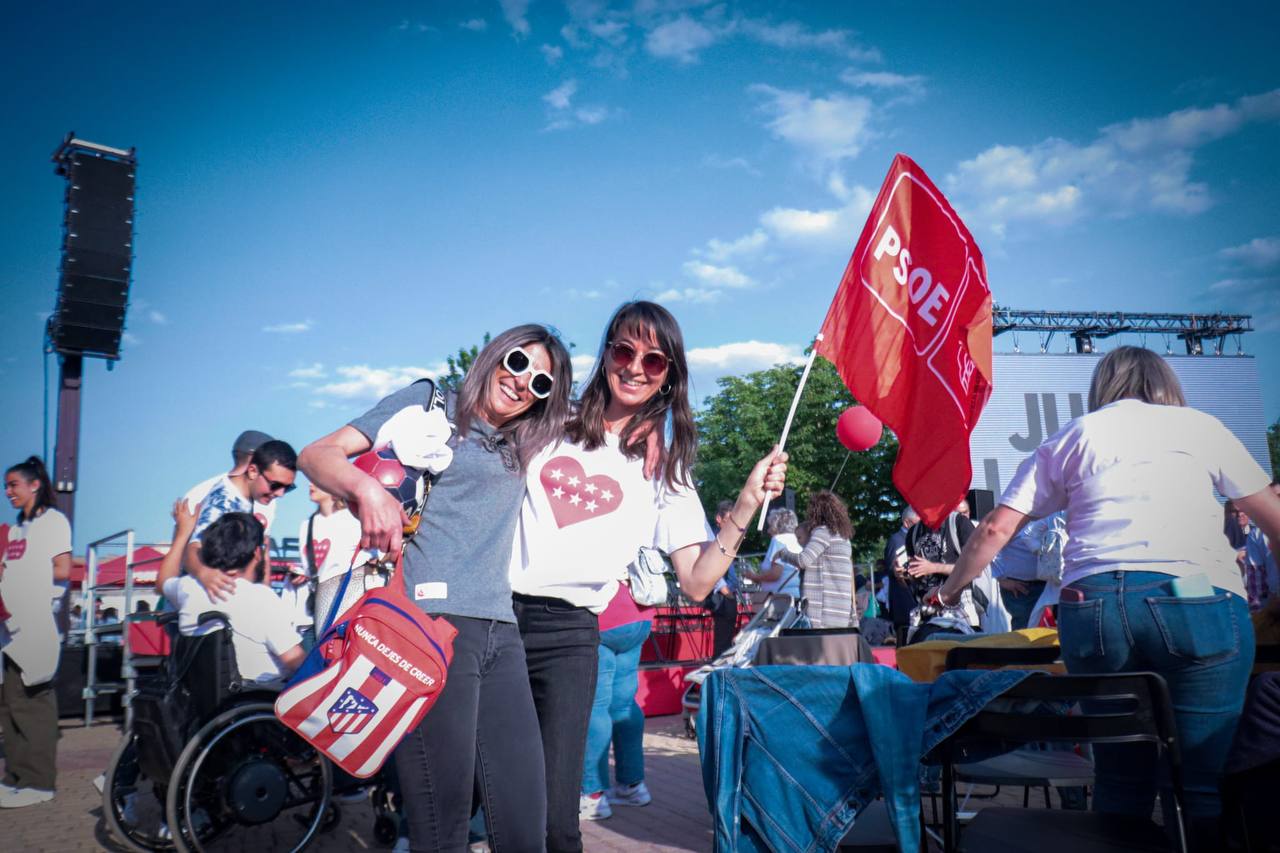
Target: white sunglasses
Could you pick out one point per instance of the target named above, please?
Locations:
(517, 362)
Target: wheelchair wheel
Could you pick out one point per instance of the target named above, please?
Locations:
(132, 804)
(247, 782)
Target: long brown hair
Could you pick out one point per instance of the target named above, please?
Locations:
(543, 422)
(1134, 373)
(643, 320)
(825, 509)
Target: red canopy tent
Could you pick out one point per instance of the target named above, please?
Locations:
(146, 561)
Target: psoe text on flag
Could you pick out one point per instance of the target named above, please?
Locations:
(909, 331)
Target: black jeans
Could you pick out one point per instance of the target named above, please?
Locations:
(561, 644)
(482, 735)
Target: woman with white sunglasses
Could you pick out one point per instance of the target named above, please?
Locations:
(482, 732)
(588, 508)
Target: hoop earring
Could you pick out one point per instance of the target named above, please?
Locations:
(665, 389)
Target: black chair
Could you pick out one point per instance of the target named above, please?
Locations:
(1116, 708)
(1028, 767)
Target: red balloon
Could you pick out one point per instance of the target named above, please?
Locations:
(858, 429)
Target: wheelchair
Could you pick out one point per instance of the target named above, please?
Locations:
(206, 766)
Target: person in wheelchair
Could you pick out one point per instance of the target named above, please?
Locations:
(266, 644)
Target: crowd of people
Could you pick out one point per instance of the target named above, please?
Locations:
(543, 504)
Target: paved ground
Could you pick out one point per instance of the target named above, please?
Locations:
(677, 820)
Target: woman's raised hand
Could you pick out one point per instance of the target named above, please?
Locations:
(768, 478)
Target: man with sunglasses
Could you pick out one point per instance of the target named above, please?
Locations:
(269, 475)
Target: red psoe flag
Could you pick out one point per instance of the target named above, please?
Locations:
(909, 331)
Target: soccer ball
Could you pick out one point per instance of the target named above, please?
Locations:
(404, 483)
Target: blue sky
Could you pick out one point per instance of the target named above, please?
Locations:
(334, 196)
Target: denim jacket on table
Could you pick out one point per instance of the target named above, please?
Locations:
(791, 754)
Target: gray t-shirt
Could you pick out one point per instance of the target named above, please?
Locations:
(457, 564)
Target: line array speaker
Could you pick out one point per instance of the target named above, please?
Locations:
(97, 255)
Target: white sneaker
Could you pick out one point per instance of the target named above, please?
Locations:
(19, 798)
(594, 807)
(630, 795)
(100, 782)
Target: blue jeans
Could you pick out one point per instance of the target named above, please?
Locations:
(1019, 606)
(615, 715)
(1203, 647)
(791, 754)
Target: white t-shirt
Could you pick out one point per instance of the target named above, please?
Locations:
(262, 624)
(789, 581)
(265, 513)
(27, 587)
(1137, 483)
(584, 517)
(336, 538)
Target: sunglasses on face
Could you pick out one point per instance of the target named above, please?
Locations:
(517, 362)
(653, 363)
(282, 488)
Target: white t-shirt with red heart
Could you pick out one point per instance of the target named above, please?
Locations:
(335, 538)
(27, 586)
(584, 517)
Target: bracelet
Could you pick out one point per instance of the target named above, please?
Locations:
(724, 551)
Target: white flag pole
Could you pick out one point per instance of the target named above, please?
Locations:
(786, 428)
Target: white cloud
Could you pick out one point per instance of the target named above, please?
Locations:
(156, 317)
(612, 32)
(289, 328)
(552, 53)
(582, 367)
(406, 25)
(723, 250)
(714, 276)
(561, 96)
(835, 225)
(687, 294)
(913, 83)
(130, 339)
(1143, 164)
(476, 25)
(793, 35)
(715, 161)
(563, 115)
(314, 371)
(744, 356)
(680, 40)
(362, 382)
(707, 365)
(516, 13)
(1259, 253)
(1255, 296)
(826, 130)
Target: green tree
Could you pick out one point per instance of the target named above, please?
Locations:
(1273, 444)
(744, 419)
(459, 364)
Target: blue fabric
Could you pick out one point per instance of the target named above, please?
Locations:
(615, 716)
(1203, 647)
(791, 754)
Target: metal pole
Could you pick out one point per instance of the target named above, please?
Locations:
(847, 454)
(67, 450)
(126, 652)
(89, 693)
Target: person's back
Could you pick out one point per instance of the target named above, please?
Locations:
(261, 624)
(1137, 480)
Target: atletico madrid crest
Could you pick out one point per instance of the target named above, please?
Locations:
(351, 713)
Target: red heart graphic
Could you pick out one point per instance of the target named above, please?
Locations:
(320, 550)
(16, 549)
(573, 495)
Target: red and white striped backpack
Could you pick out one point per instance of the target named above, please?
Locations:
(370, 679)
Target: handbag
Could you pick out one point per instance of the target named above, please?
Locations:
(370, 678)
(647, 578)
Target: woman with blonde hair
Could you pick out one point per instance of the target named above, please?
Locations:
(1149, 582)
(827, 563)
